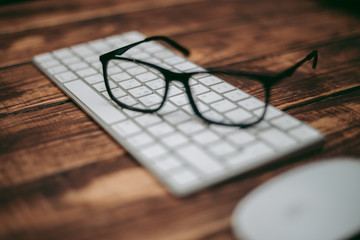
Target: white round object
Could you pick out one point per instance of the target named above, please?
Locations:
(316, 201)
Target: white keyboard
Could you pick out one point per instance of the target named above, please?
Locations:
(182, 151)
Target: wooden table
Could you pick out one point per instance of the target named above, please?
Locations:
(63, 177)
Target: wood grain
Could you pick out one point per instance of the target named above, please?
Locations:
(25, 16)
(63, 177)
(220, 15)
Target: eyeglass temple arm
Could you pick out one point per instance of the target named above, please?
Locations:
(172, 43)
(290, 71)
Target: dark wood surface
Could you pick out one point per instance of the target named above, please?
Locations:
(63, 177)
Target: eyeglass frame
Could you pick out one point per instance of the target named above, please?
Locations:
(184, 77)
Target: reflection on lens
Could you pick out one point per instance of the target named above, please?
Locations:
(219, 101)
(136, 85)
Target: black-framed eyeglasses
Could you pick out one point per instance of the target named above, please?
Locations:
(224, 105)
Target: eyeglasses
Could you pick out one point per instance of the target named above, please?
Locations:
(150, 87)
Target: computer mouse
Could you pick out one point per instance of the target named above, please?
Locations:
(317, 201)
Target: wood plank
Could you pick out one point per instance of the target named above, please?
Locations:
(272, 37)
(26, 16)
(62, 177)
(24, 88)
(50, 214)
(337, 71)
(21, 47)
(324, 116)
(338, 118)
(49, 141)
(30, 15)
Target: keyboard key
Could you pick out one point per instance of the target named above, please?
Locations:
(126, 128)
(141, 56)
(49, 64)
(213, 115)
(250, 155)
(285, 122)
(57, 69)
(156, 84)
(209, 97)
(66, 77)
(164, 54)
(167, 108)
(180, 100)
(222, 87)
(199, 89)
(238, 115)
(120, 77)
(251, 103)
(140, 91)
(86, 72)
(136, 70)
(130, 113)
(221, 149)
(209, 80)
(184, 177)
(277, 138)
(113, 70)
(83, 50)
(100, 46)
(63, 53)
(200, 106)
(108, 113)
(177, 117)
(97, 66)
(173, 90)
(304, 133)
(44, 58)
(147, 77)
(222, 130)
(241, 137)
(174, 60)
(92, 59)
(186, 66)
(94, 79)
(223, 106)
(147, 119)
(161, 129)
(141, 139)
(199, 159)
(100, 86)
(129, 84)
(150, 100)
(152, 48)
(117, 92)
(168, 163)
(206, 137)
(71, 60)
(190, 127)
(271, 112)
(154, 151)
(127, 100)
(134, 36)
(236, 95)
(78, 66)
(175, 139)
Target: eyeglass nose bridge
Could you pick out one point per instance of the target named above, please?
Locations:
(180, 77)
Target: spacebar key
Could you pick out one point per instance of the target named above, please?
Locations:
(98, 105)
